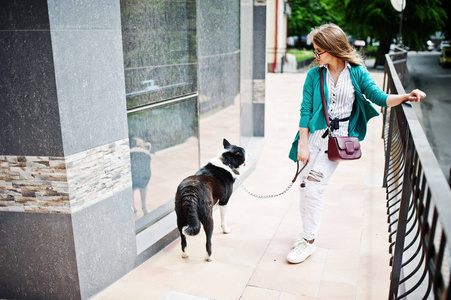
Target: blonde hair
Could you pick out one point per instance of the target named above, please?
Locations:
(331, 38)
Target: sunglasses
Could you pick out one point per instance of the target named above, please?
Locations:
(317, 54)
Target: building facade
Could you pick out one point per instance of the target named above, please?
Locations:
(105, 106)
(278, 15)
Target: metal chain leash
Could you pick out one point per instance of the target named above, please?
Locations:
(273, 195)
(264, 196)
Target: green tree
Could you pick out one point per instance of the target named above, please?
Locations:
(380, 21)
(307, 14)
(376, 19)
(446, 4)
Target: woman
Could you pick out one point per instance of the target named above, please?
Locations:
(346, 80)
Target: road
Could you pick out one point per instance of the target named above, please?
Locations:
(427, 75)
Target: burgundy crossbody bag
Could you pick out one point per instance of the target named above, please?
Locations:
(342, 147)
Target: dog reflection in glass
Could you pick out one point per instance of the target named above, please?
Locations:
(140, 165)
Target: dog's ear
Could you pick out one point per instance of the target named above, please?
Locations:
(226, 143)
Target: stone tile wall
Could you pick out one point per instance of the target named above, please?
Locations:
(64, 185)
(259, 90)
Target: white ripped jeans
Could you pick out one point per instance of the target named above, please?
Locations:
(313, 181)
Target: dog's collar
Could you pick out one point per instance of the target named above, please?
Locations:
(219, 163)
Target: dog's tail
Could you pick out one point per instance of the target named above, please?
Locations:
(189, 206)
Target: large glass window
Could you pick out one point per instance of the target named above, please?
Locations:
(160, 63)
(159, 42)
(164, 149)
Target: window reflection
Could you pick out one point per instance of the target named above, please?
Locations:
(164, 149)
(159, 44)
(160, 68)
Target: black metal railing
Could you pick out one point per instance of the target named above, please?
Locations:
(418, 199)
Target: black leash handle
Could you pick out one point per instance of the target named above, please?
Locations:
(298, 171)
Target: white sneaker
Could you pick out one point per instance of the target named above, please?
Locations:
(297, 242)
(301, 250)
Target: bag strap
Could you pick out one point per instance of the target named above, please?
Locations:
(326, 115)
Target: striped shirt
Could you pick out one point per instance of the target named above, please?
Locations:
(341, 100)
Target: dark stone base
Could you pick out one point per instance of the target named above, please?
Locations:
(63, 256)
(37, 256)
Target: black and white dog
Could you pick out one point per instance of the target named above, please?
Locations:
(196, 195)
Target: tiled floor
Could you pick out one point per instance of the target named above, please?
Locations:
(351, 260)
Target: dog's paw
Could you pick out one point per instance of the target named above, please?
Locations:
(185, 254)
(226, 229)
(209, 258)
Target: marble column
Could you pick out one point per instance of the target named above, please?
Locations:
(259, 67)
(253, 68)
(66, 210)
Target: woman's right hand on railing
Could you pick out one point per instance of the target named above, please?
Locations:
(416, 95)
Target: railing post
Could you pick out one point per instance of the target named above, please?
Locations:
(402, 221)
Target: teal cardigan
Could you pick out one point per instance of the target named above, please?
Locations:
(312, 115)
